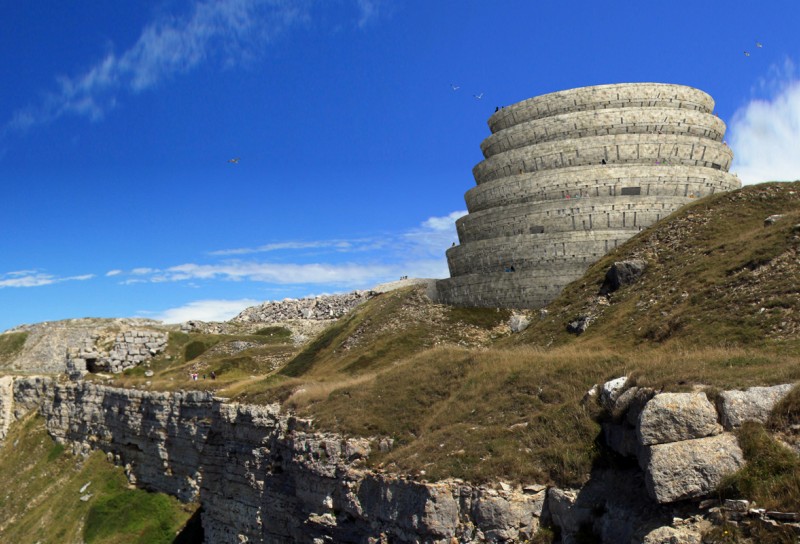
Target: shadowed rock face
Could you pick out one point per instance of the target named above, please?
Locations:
(570, 175)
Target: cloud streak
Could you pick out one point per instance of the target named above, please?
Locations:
(418, 252)
(231, 31)
(34, 278)
(765, 133)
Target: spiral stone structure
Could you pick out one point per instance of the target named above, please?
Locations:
(570, 175)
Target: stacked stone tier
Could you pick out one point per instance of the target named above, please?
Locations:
(576, 214)
(654, 149)
(531, 251)
(603, 123)
(524, 289)
(567, 177)
(600, 97)
(602, 180)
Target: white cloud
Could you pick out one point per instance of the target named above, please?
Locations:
(206, 310)
(435, 235)
(418, 252)
(765, 133)
(34, 278)
(338, 245)
(115, 272)
(232, 31)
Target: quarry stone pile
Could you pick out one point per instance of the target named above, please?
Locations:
(321, 308)
(568, 176)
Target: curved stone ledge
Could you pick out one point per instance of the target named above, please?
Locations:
(606, 180)
(620, 95)
(603, 123)
(584, 214)
(524, 289)
(613, 149)
(532, 251)
(570, 175)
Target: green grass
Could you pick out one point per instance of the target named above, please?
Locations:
(40, 501)
(10, 344)
(771, 477)
(133, 516)
(715, 276)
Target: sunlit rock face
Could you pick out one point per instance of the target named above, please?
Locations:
(570, 175)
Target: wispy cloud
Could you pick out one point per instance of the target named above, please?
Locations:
(34, 278)
(765, 133)
(115, 272)
(336, 245)
(204, 310)
(418, 252)
(230, 31)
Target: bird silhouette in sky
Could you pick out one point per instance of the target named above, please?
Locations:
(454, 87)
(234, 160)
(747, 53)
(478, 96)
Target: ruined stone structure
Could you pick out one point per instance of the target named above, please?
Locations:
(570, 175)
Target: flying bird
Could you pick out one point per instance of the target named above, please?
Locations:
(747, 53)
(234, 160)
(454, 87)
(759, 45)
(478, 96)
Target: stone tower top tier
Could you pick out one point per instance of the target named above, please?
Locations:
(567, 176)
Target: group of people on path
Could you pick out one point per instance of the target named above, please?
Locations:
(194, 376)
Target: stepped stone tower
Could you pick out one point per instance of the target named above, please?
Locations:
(570, 175)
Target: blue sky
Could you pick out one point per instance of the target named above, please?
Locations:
(118, 121)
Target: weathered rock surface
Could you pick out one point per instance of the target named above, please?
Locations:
(622, 273)
(753, 404)
(63, 346)
(670, 417)
(325, 307)
(263, 476)
(691, 468)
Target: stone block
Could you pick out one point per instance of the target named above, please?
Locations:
(691, 468)
(672, 417)
(753, 404)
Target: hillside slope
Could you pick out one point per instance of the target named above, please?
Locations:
(716, 275)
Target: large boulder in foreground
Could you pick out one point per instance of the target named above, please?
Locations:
(753, 404)
(691, 468)
(672, 417)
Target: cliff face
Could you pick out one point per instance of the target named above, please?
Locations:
(261, 476)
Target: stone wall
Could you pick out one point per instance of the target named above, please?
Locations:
(570, 175)
(131, 347)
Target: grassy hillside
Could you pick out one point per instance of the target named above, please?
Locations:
(718, 305)
(41, 498)
(716, 276)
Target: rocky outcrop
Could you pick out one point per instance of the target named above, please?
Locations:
(69, 346)
(753, 404)
(264, 476)
(325, 307)
(131, 348)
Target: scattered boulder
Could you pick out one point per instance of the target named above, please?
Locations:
(518, 323)
(691, 468)
(672, 417)
(580, 324)
(772, 219)
(753, 404)
(622, 273)
(611, 391)
(672, 535)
